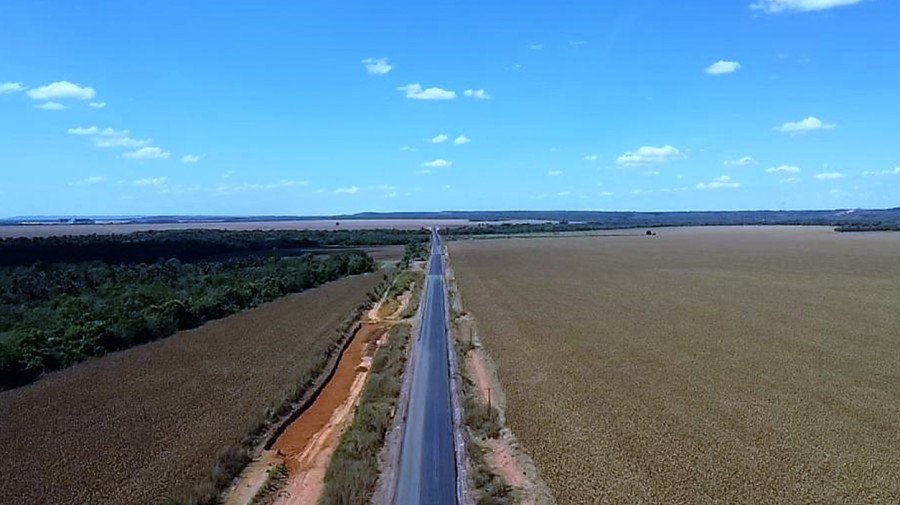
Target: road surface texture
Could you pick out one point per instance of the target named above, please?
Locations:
(427, 458)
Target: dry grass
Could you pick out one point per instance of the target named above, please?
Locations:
(698, 366)
(145, 424)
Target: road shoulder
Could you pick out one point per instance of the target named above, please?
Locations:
(500, 468)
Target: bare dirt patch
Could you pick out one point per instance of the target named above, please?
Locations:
(502, 459)
(306, 446)
(308, 443)
(388, 309)
(478, 370)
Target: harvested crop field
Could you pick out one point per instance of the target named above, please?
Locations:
(706, 365)
(145, 424)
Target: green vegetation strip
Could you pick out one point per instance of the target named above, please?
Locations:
(354, 469)
(55, 315)
(191, 245)
(276, 477)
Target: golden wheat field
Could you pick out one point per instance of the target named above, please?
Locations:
(145, 424)
(713, 365)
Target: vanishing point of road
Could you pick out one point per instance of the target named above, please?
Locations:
(427, 458)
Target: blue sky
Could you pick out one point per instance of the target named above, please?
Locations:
(316, 107)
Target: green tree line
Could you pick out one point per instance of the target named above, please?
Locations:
(190, 245)
(55, 315)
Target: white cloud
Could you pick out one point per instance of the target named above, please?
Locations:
(147, 153)
(723, 67)
(415, 92)
(809, 124)
(151, 181)
(478, 94)
(438, 139)
(591, 157)
(407, 149)
(790, 180)
(384, 190)
(564, 193)
(893, 171)
(720, 182)
(229, 188)
(577, 43)
(97, 105)
(740, 162)
(10, 87)
(87, 181)
(377, 66)
(536, 47)
(438, 163)
(648, 155)
(120, 141)
(783, 169)
(554, 173)
(829, 176)
(462, 139)
(778, 6)
(62, 89)
(190, 158)
(108, 137)
(424, 171)
(81, 130)
(606, 193)
(51, 106)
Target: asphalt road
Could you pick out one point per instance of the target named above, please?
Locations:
(427, 459)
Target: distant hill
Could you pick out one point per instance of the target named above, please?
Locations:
(619, 219)
(846, 219)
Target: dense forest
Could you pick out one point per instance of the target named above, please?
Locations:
(520, 228)
(190, 245)
(63, 299)
(869, 227)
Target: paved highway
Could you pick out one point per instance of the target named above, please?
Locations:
(427, 459)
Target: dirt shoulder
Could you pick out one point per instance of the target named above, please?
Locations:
(490, 440)
(306, 446)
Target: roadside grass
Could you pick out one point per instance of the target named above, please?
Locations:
(492, 489)
(415, 251)
(413, 305)
(353, 472)
(482, 423)
(402, 282)
(275, 479)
